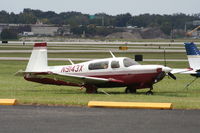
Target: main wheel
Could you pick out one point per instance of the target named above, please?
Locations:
(130, 90)
(91, 90)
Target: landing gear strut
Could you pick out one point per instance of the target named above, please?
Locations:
(190, 83)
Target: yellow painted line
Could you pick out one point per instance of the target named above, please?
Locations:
(8, 101)
(138, 105)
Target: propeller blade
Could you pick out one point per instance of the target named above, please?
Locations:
(172, 76)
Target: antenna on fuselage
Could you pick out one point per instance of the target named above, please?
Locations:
(164, 53)
(71, 61)
(112, 54)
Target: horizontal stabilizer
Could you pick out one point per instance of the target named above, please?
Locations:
(20, 73)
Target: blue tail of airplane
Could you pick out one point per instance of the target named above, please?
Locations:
(191, 49)
(193, 55)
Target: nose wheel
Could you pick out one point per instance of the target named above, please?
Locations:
(150, 91)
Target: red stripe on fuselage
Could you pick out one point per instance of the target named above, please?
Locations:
(131, 78)
(139, 81)
(43, 44)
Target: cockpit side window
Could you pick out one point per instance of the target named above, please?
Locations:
(115, 64)
(129, 62)
(98, 65)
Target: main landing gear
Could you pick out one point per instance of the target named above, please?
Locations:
(130, 89)
(91, 89)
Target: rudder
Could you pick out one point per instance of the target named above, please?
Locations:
(38, 60)
(193, 55)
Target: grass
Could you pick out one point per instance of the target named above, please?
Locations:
(90, 48)
(167, 90)
(106, 54)
(156, 40)
(26, 92)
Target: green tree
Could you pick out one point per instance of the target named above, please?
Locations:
(166, 27)
(4, 17)
(27, 18)
(123, 20)
(8, 34)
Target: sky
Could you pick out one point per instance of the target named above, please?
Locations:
(111, 7)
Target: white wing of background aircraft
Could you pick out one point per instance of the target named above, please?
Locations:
(193, 55)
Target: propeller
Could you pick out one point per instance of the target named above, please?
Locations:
(168, 70)
(171, 75)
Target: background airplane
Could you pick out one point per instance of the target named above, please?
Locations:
(100, 73)
(193, 55)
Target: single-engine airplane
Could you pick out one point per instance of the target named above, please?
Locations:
(99, 73)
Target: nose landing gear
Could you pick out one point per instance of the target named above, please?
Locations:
(150, 91)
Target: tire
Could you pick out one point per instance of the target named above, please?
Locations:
(149, 93)
(130, 89)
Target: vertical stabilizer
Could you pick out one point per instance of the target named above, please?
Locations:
(38, 60)
(193, 55)
(112, 54)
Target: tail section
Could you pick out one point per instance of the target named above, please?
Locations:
(193, 55)
(38, 60)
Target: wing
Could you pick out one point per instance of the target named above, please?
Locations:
(77, 79)
(184, 71)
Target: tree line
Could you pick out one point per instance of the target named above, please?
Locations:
(78, 20)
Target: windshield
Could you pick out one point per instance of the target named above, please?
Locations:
(129, 62)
